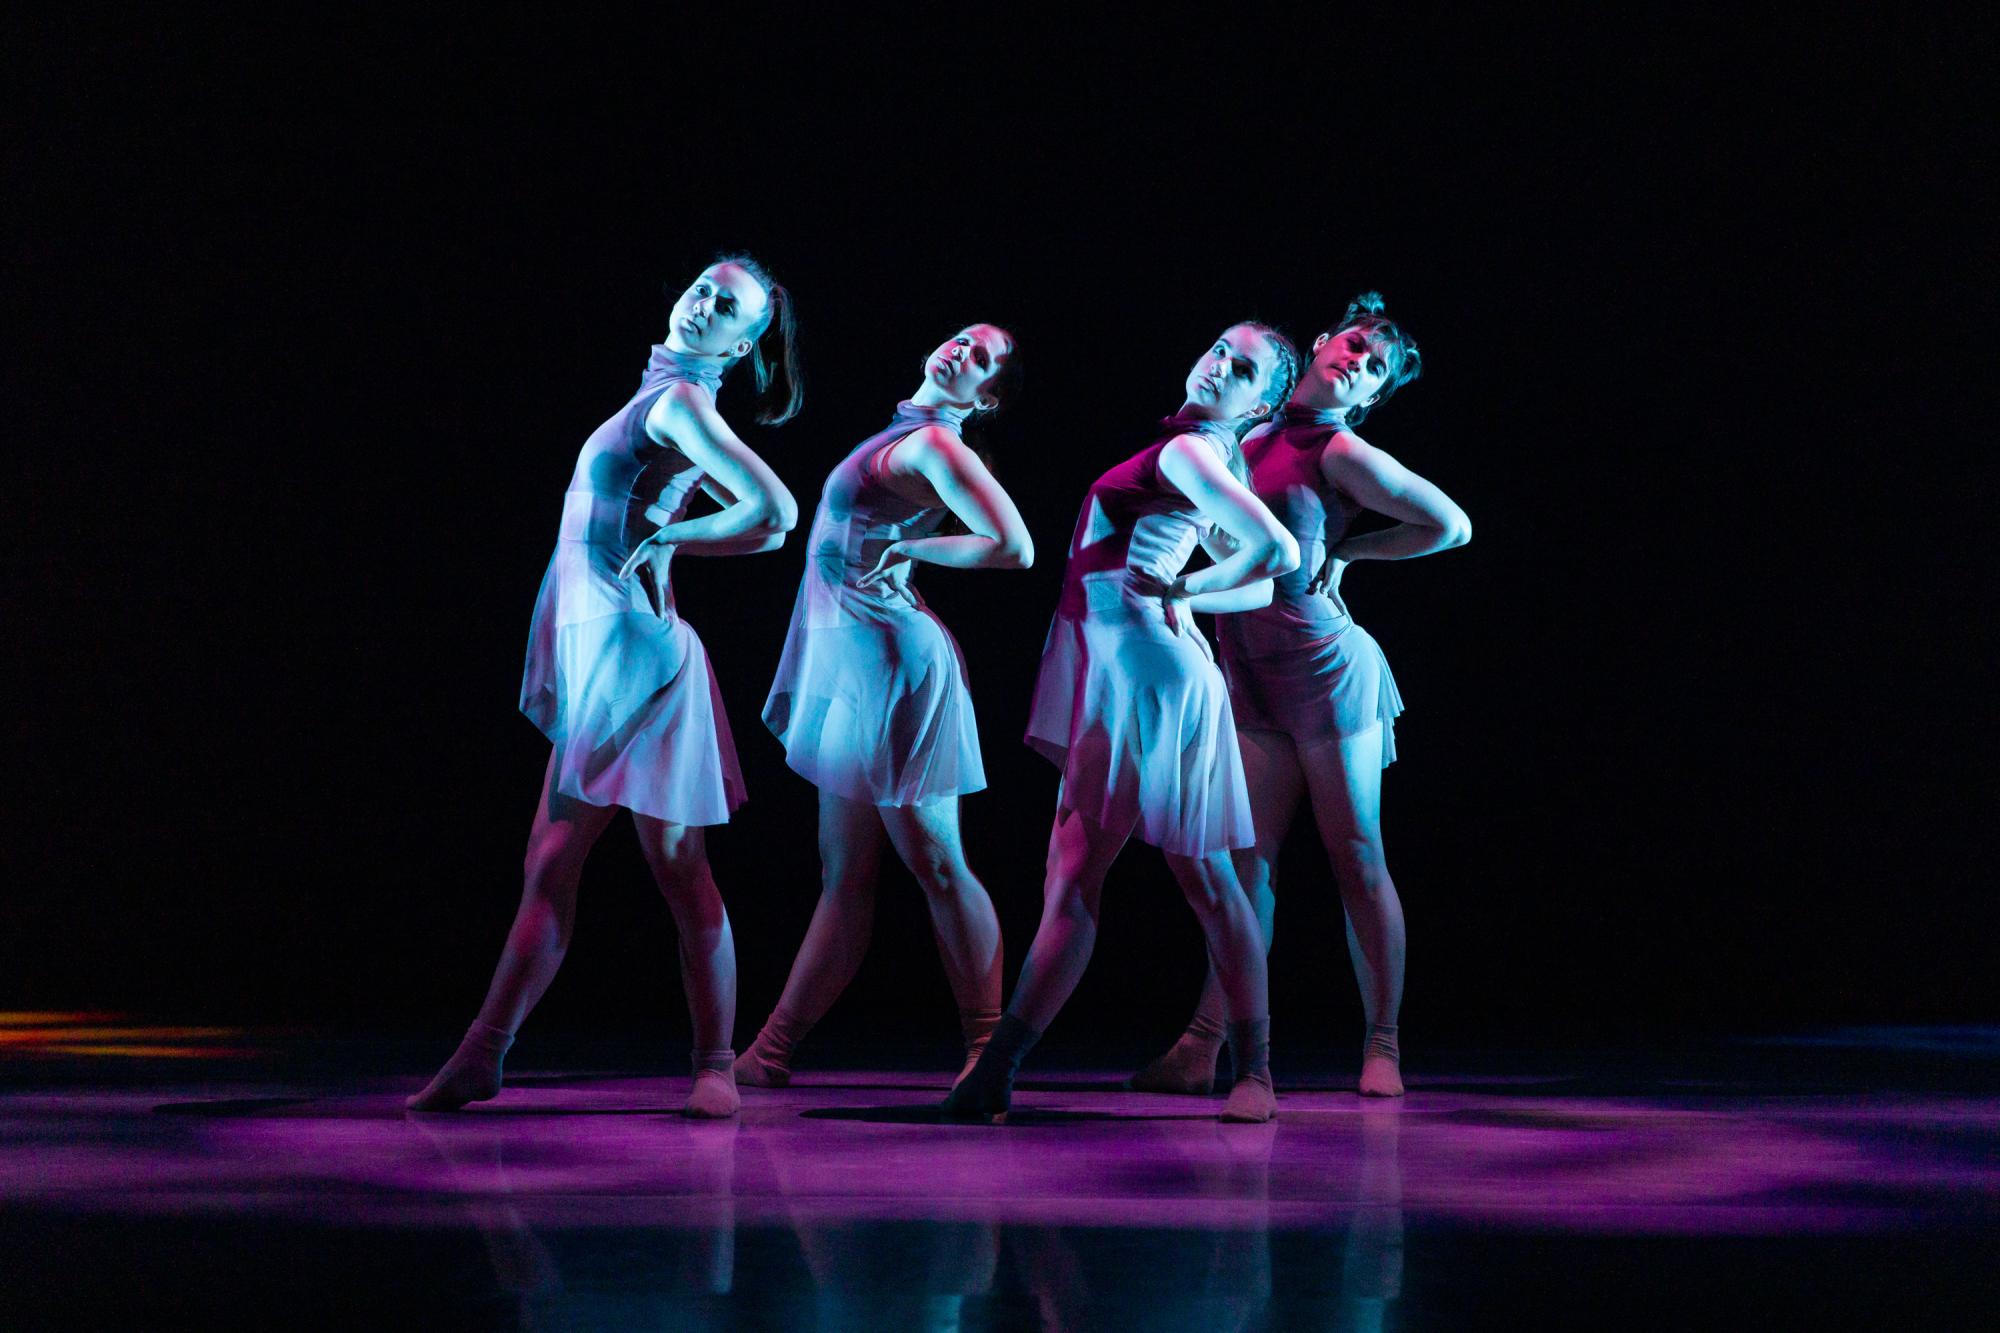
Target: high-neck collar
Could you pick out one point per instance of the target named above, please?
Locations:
(1222, 432)
(939, 414)
(669, 364)
(1291, 414)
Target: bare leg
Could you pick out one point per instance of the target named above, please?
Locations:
(1272, 768)
(850, 854)
(1080, 855)
(1236, 952)
(678, 855)
(1344, 780)
(962, 916)
(563, 832)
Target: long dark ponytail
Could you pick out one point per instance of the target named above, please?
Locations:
(774, 348)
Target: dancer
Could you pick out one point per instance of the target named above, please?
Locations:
(620, 684)
(871, 702)
(1314, 701)
(1130, 706)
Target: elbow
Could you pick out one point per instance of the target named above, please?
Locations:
(780, 514)
(1458, 532)
(1282, 557)
(1014, 554)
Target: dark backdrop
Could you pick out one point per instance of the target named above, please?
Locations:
(310, 323)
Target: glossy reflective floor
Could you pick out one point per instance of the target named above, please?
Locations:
(1848, 1180)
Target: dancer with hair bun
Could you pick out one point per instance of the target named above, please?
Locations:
(870, 699)
(620, 684)
(1130, 706)
(1315, 704)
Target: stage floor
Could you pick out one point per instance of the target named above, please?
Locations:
(1839, 1182)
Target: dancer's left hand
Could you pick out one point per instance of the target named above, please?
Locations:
(1327, 581)
(891, 575)
(1173, 598)
(650, 564)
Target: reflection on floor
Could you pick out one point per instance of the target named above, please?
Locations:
(1829, 1183)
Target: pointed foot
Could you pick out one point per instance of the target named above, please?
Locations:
(1187, 1070)
(753, 1070)
(456, 1085)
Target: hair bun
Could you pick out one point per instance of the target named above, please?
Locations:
(1365, 305)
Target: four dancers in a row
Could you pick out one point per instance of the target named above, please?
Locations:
(1152, 738)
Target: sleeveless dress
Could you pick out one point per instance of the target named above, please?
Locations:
(1135, 714)
(870, 699)
(1301, 665)
(625, 695)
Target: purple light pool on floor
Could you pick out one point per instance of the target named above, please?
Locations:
(845, 1182)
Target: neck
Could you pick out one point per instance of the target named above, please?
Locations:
(1313, 395)
(1198, 412)
(677, 344)
(929, 395)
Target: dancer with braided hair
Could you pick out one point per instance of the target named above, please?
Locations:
(1130, 706)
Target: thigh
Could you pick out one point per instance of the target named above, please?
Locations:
(1344, 780)
(926, 836)
(676, 852)
(564, 828)
(1081, 851)
(1206, 881)
(850, 839)
(1276, 781)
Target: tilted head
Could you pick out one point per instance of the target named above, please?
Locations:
(1359, 361)
(978, 367)
(736, 309)
(1245, 375)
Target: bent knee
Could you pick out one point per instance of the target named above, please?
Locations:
(945, 877)
(1361, 869)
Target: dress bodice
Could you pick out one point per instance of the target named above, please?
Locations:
(622, 469)
(859, 514)
(1284, 461)
(1135, 520)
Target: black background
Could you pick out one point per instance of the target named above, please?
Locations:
(309, 323)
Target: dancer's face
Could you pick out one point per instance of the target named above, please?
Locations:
(967, 362)
(1348, 370)
(719, 313)
(1230, 379)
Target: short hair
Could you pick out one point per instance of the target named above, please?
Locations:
(1368, 313)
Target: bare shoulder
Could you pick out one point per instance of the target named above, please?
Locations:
(1346, 454)
(925, 448)
(1192, 448)
(684, 397)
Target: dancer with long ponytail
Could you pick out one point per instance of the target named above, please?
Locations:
(620, 684)
(870, 698)
(1314, 701)
(1130, 706)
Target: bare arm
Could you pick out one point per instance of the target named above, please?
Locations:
(1428, 521)
(1220, 546)
(998, 540)
(759, 507)
(770, 541)
(1263, 549)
